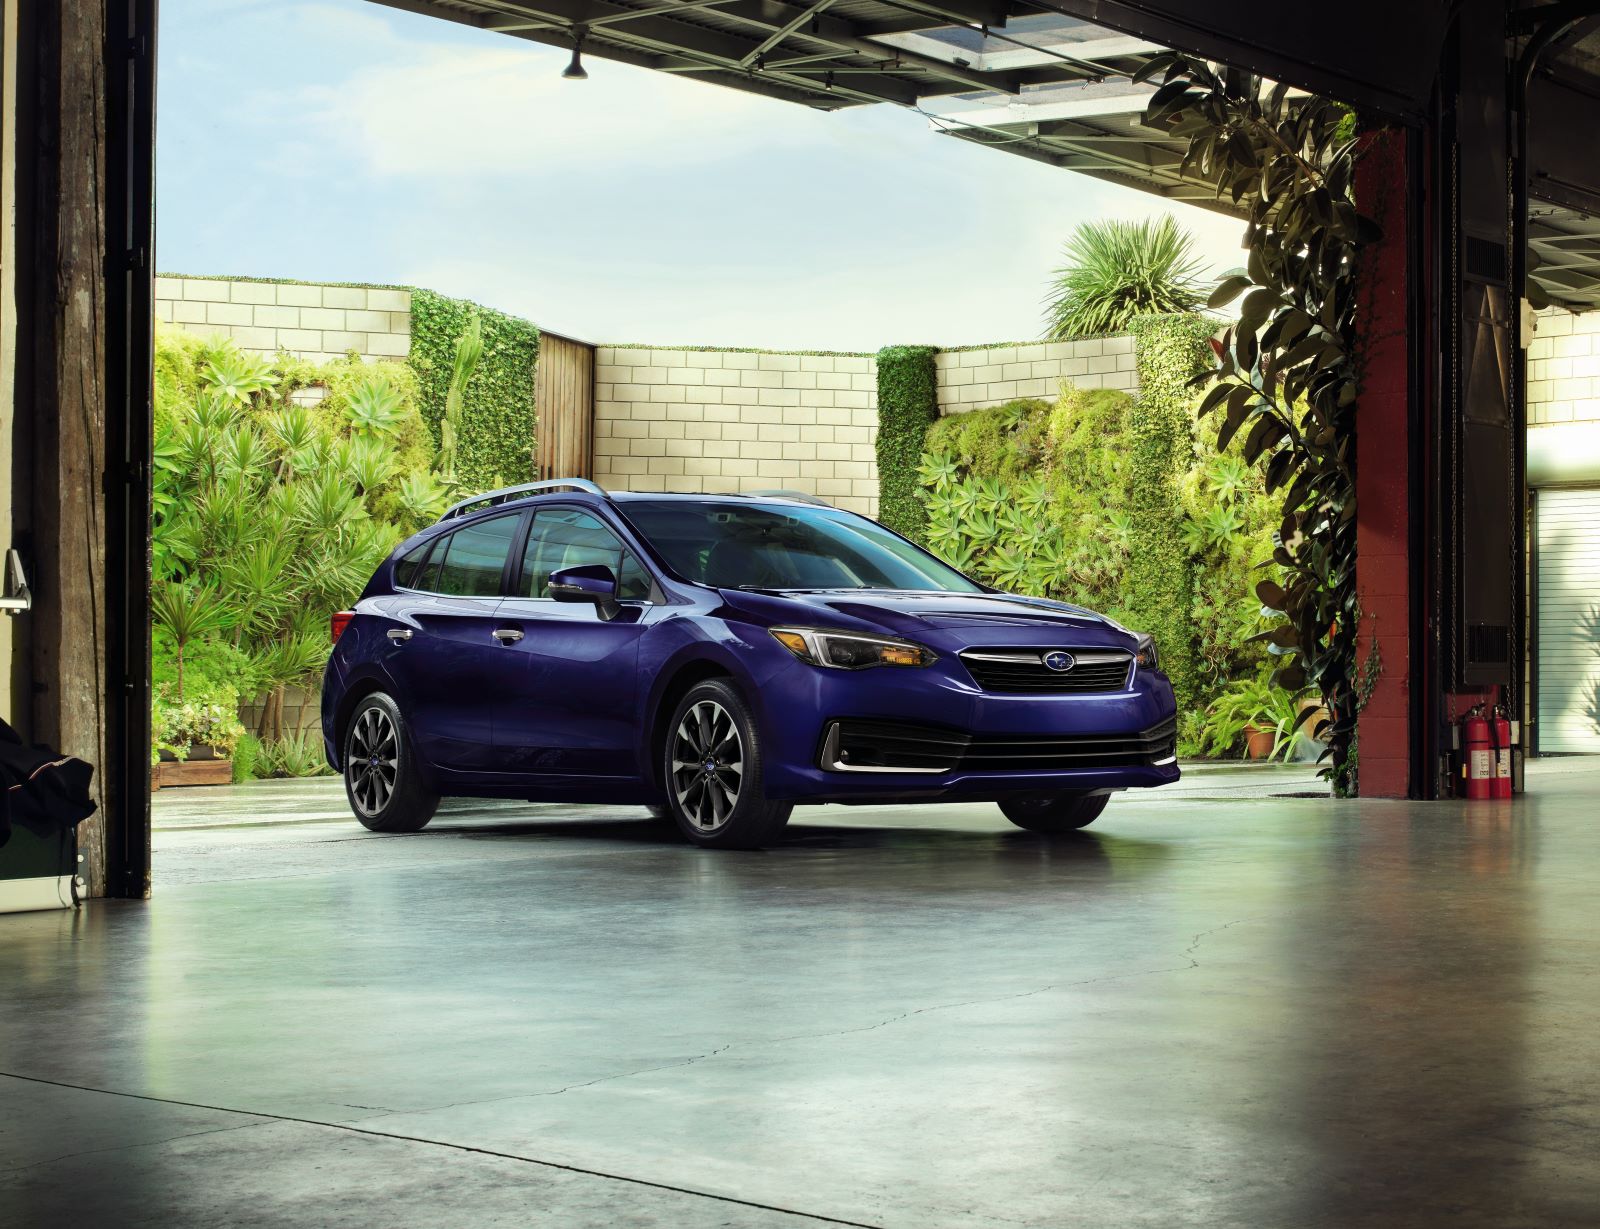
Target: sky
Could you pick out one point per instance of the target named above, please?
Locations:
(339, 140)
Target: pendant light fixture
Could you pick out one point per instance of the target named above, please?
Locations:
(574, 71)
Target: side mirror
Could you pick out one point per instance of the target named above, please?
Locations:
(589, 582)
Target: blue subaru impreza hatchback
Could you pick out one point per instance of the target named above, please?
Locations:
(720, 658)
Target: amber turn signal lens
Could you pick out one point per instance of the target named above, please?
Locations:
(900, 655)
(794, 642)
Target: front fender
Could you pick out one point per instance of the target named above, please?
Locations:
(691, 649)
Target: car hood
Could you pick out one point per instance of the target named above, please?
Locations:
(948, 620)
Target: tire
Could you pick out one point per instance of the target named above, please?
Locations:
(1062, 813)
(723, 806)
(381, 781)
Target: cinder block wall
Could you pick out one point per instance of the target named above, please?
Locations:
(731, 420)
(314, 321)
(1564, 369)
(976, 376)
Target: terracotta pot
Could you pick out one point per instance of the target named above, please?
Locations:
(1258, 742)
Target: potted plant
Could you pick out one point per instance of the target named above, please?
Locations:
(1266, 717)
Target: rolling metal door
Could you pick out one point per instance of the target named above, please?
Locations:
(1569, 620)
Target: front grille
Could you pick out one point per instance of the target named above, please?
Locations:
(856, 745)
(1024, 670)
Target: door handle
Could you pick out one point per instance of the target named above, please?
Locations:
(507, 635)
(399, 634)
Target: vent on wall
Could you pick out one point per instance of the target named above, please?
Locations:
(1483, 259)
(1488, 644)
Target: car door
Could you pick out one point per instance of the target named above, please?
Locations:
(442, 650)
(571, 695)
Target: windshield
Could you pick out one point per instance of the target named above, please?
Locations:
(763, 547)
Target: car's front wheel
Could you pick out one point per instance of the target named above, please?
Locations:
(712, 770)
(1060, 813)
(381, 780)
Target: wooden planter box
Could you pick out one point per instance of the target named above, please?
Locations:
(208, 770)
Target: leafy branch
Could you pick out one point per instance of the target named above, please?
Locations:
(1288, 373)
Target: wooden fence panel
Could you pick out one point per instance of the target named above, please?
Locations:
(563, 386)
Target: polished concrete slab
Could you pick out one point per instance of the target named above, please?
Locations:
(1208, 1010)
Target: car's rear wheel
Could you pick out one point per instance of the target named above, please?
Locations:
(712, 770)
(1060, 813)
(381, 780)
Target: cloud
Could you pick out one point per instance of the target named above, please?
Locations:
(345, 141)
(506, 113)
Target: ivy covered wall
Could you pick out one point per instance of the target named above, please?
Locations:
(496, 441)
(1169, 351)
(908, 404)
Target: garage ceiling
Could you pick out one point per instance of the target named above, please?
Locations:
(823, 53)
(1022, 78)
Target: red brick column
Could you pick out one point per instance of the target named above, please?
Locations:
(1383, 452)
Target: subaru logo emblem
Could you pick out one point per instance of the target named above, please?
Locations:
(1059, 661)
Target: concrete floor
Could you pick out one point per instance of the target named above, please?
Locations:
(1210, 1010)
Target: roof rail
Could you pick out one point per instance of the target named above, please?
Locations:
(804, 497)
(525, 488)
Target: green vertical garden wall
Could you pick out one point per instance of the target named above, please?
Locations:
(496, 442)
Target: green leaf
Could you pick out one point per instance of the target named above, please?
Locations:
(1227, 290)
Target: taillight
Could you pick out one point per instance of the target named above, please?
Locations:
(340, 621)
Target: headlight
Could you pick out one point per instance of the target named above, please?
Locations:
(1146, 654)
(849, 650)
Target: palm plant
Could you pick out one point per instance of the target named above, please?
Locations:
(1116, 270)
(187, 612)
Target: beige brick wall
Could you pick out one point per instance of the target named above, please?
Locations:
(725, 420)
(1564, 368)
(316, 322)
(970, 379)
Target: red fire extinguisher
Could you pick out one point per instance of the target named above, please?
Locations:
(1477, 754)
(1486, 752)
(1500, 737)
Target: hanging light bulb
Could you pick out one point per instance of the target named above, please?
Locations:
(574, 71)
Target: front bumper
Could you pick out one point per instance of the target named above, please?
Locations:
(930, 733)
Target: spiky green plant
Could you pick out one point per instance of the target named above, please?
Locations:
(186, 612)
(374, 408)
(1116, 270)
(235, 377)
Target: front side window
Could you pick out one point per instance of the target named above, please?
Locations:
(470, 561)
(568, 538)
(763, 547)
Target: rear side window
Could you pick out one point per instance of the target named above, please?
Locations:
(472, 558)
(567, 538)
(409, 571)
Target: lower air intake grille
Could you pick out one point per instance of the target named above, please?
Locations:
(856, 745)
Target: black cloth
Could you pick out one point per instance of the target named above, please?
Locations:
(40, 788)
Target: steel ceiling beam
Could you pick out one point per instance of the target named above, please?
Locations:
(774, 14)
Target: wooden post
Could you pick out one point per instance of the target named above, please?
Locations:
(77, 400)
